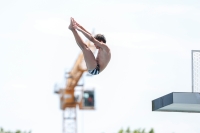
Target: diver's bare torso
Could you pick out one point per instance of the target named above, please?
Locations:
(103, 58)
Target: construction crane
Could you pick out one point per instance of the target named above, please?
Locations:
(68, 100)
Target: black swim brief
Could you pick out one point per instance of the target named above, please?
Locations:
(95, 71)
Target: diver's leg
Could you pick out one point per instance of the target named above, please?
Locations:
(88, 55)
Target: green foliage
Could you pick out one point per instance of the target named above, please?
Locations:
(121, 131)
(135, 131)
(18, 131)
(128, 130)
(151, 131)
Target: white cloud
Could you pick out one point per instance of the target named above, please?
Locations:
(16, 84)
(170, 9)
(54, 26)
(143, 40)
(151, 8)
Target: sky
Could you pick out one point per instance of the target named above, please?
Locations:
(150, 42)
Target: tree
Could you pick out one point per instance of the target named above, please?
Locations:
(18, 131)
(151, 131)
(128, 130)
(121, 131)
(135, 131)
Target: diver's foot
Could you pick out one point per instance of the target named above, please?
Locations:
(71, 25)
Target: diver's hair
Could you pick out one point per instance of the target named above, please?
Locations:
(100, 37)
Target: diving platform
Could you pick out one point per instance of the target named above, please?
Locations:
(178, 102)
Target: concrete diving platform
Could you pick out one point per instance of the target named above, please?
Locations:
(178, 102)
